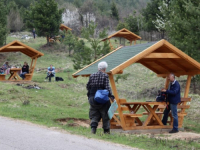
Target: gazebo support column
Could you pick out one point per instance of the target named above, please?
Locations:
(134, 42)
(187, 88)
(114, 89)
(166, 83)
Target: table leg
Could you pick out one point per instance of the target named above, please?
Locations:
(152, 114)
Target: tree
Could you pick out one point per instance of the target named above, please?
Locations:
(70, 41)
(150, 14)
(14, 19)
(183, 28)
(45, 16)
(114, 12)
(95, 42)
(3, 29)
(82, 55)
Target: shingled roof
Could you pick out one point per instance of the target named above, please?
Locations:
(161, 57)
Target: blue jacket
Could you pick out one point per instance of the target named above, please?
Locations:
(174, 94)
(51, 69)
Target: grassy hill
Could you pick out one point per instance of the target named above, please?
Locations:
(68, 99)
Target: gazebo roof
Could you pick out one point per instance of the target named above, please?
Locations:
(161, 57)
(17, 46)
(125, 34)
(62, 27)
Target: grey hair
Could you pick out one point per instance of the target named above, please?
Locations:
(172, 74)
(102, 65)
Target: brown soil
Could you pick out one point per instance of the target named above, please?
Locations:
(74, 122)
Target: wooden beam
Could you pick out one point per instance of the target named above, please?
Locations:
(192, 73)
(162, 55)
(187, 88)
(150, 67)
(15, 47)
(120, 72)
(178, 64)
(164, 66)
(114, 89)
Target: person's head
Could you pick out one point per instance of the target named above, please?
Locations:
(25, 63)
(102, 66)
(51, 66)
(171, 77)
(6, 63)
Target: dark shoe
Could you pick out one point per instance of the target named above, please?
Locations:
(173, 131)
(46, 77)
(93, 130)
(106, 131)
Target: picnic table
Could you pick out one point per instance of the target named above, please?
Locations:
(135, 118)
(14, 74)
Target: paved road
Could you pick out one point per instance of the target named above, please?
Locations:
(19, 135)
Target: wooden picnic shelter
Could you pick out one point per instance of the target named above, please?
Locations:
(160, 57)
(64, 27)
(17, 46)
(123, 33)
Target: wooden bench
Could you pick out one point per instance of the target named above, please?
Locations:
(2, 77)
(28, 77)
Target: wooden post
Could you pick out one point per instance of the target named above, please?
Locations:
(114, 89)
(31, 66)
(131, 43)
(166, 83)
(187, 88)
(134, 42)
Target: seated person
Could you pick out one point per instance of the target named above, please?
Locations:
(5, 69)
(25, 70)
(50, 72)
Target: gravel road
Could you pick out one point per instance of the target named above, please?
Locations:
(21, 135)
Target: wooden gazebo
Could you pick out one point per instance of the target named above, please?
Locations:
(124, 33)
(64, 27)
(17, 46)
(162, 58)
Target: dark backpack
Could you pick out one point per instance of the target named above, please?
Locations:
(59, 79)
(162, 96)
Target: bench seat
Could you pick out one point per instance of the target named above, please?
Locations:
(130, 115)
(2, 77)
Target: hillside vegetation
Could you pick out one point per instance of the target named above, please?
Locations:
(68, 99)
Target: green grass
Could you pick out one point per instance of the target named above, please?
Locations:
(68, 99)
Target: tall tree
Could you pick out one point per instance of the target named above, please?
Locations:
(97, 47)
(150, 14)
(82, 55)
(3, 22)
(183, 28)
(114, 11)
(45, 16)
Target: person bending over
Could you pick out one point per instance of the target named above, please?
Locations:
(174, 97)
(50, 72)
(25, 70)
(97, 81)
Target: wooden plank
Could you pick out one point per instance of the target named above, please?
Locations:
(15, 47)
(148, 127)
(124, 108)
(162, 55)
(183, 106)
(164, 66)
(179, 65)
(133, 115)
(186, 99)
(122, 100)
(114, 89)
(191, 73)
(150, 67)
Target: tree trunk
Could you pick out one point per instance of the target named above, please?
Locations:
(48, 40)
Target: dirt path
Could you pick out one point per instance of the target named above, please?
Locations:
(20, 135)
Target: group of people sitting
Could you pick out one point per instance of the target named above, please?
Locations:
(5, 69)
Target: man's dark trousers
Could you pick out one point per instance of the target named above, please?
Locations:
(173, 108)
(98, 111)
